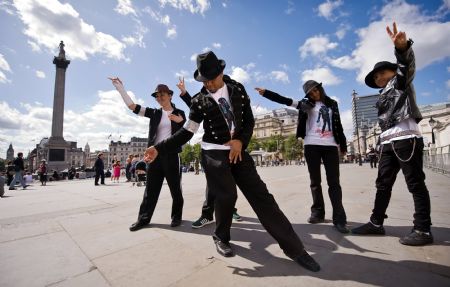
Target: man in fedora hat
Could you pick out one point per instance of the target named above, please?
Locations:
(224, 108)
(401, 141)
(164, 121)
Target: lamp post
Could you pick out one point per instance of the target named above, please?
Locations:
(357, 130)
(433, 124)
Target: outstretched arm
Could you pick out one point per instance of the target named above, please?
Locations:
(119, 87)
(304, 105)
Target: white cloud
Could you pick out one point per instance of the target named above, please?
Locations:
(34, 47)
(448, 69)
(279, 76)
(172, 32)
(193, 6)
(374, 45)
(188, 76)
(108, 115)
(163, 19)
(327, 8)
(47, 22)
(40, 74)
(4, 65)
(125, 7)
(7, 7)
(316, 45)
(239, 74)
(217, 45)
(448, 84)
(321, 74)
(137, 39)
(290, 9)
(224, 5)
(342, 31)
(194, 57)
(258, 110)
(347, 123)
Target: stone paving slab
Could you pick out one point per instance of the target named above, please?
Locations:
(72, 233)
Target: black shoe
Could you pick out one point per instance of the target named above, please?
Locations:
(103, 183)
(417, 238)
(369, 229)
(138, 225)
(97, 184)
(223, 248)
(12, 188)
(315, 219)
(342, 228)
(306, 261)
(175, 222)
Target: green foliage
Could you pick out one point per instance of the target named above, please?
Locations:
(190, 153)
(293, 148)
(254, 144)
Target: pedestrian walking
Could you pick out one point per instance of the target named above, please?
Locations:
(401, 141)
(43, 172)
(116, 171)
(164, 122)
(372, 154)
(207, 214)
(99, 167)
(19, 169)
(319, 124)
(224, 108)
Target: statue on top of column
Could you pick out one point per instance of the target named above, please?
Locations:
(62, 53)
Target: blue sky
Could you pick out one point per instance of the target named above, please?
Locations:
(272, 44)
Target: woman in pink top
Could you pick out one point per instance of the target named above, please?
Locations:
(116, 171)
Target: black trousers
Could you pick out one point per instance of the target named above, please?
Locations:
(208, 205)
(388, 167)
(373, 161)
(168, 167)
(222, 178)
(100, 174)
(329, 155)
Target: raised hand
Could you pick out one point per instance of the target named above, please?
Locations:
(181, 85)
(398, 38)
(261, 91)
(116, 82)
(176, 118)
(150, 154)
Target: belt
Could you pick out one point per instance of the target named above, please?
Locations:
(399, 134)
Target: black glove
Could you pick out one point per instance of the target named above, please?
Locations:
(305, 104)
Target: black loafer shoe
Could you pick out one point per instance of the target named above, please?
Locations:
(138, 225)
(175, 222)
(223, 248)
(417, 238)
(314, 220)
(306, 261)
(342, 228)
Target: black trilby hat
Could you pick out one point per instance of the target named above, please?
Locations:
(309, 85)
(162, 88)
(208, 67)
(384, 65)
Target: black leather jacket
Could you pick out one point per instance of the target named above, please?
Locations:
(155, 118)
(205, 109)
(338, 132)
(397, 100)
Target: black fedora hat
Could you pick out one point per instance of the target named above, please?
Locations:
(384, 65)
(309, 85)
(208, 67)
(162, 88)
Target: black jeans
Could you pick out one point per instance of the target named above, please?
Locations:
(388, 167)
(100, 174)
(168, 167)
(373, 161)
(222, 178)
(208, 205)
(329, 155)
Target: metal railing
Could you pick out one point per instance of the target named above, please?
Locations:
(437, 159)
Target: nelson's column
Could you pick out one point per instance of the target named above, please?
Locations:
(57, 147)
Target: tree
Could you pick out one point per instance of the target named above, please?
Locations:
(270, 144)
(293, 148)
(254, 144)
(187, 154)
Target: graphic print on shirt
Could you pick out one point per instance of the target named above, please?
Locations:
(323, 120)
(226, 111)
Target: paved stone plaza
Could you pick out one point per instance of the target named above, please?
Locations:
(76, 234)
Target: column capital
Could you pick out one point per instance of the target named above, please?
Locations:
(61, 62)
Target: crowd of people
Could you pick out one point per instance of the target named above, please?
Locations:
(223, 107)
